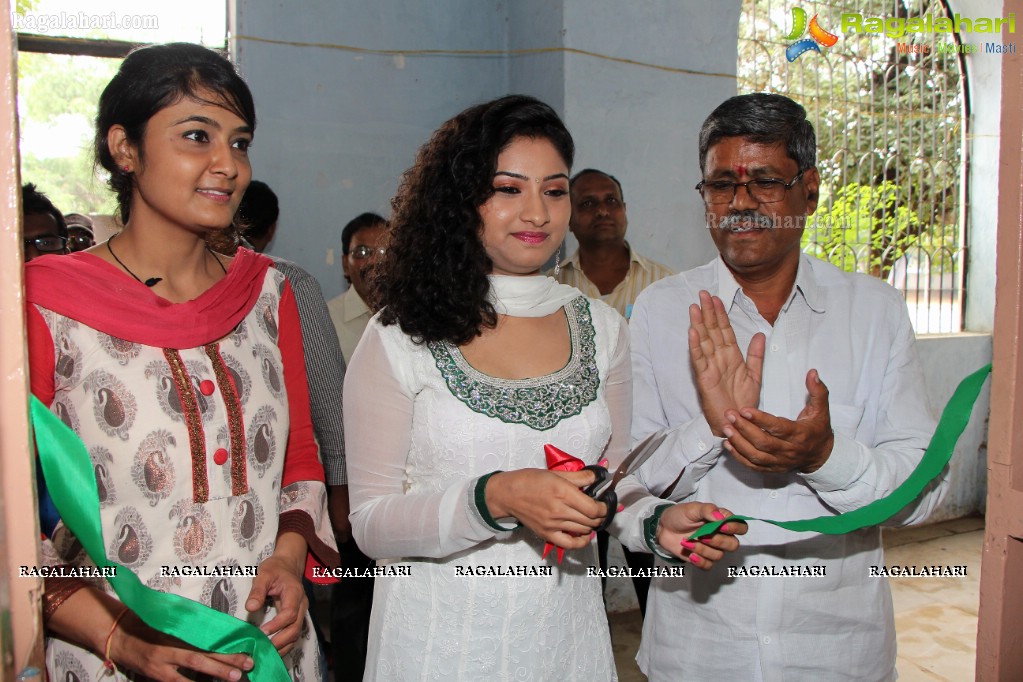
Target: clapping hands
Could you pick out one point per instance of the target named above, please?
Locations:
(724, 379)
(729, 388)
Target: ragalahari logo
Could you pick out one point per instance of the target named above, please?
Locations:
(818, 36)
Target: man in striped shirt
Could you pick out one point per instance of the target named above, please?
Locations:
(605, 266)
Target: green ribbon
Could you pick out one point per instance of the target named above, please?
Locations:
(72, 485)
(954, 419)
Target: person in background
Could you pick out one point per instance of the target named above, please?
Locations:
(81, 234)
(257, 219)
(362, 242)
(605, 266)
(258, 215)
(362, 246)
(45, 229)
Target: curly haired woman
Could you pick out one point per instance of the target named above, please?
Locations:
(475, 362)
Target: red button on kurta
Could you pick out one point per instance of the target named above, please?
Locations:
(207, 387)
(220, 456)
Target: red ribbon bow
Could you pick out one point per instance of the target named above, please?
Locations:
(559, 460)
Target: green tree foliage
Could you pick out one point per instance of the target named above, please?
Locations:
(865, 228)
(889, 125)
(57, 94)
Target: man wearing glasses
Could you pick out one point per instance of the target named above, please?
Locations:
(362, 242)
(362, 245)
(81, 235)
(824, 414)
(45, 229)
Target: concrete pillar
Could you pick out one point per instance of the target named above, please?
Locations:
(999, 635)
(20, 618)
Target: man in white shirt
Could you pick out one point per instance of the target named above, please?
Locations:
(362, 242)
(605, 266)
(824, 415)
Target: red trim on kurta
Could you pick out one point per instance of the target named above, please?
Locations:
(193, 422)
(302, 458)
(235, 422)
(319, 555)
(41, 358)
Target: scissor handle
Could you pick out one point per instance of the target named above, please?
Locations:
(601, 476)
(609, 498)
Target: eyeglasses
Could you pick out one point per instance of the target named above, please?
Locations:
(764, 191)
(362, 252)
(78, 243)
(49, 244)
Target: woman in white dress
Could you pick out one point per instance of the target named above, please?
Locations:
(475, 362)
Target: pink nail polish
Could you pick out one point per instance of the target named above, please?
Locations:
(688, 544)
(621, 507)
(718, 515)
(602, 463)
(695, 558)
(593, 535)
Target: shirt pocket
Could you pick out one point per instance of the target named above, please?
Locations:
(845, 419)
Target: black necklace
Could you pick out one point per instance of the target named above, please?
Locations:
(152, 281)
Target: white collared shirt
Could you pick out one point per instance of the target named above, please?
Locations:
(855, 331)
(350, 315)
(642, 273)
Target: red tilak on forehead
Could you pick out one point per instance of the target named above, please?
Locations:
(740, 170)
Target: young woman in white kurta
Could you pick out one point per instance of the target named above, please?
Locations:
(474, 364)
(431, 426)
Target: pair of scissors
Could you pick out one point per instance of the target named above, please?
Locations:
(603, 488)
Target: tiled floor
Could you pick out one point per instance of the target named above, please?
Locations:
(935, 618)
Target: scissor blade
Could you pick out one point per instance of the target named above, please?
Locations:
(635, 459)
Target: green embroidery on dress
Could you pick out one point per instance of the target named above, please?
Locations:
(538, 403)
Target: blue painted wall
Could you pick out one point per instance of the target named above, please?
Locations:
(337, 126)
(640, 122)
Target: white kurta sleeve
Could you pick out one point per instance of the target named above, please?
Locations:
(379, 398)
(690, 449)
(619, 399)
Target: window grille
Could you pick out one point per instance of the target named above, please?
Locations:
(889, 116)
